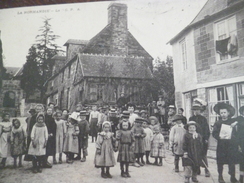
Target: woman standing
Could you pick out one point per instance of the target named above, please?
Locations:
(5, 129)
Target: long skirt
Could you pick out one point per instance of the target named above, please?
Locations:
(93, 127)
(126, 153)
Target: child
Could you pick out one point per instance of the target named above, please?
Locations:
(83, 136)
(71, 142)
(147, 140)
(125, 141)
(193, 155)
(60, 135)
(18, 144)
(157, 147)
(154, 123)
(139, 135)
(39, 137)
(227, 149)
(104, 157)
(93, 121)
(144, 114)
(176, 136)
(5, 129)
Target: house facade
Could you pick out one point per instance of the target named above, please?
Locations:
(209, 57)
(11, 94)
(97, 71)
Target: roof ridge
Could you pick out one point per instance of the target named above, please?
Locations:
(111, 55)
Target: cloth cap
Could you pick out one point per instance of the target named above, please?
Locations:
(32, 110)
(177, 117)
(241, 110)
(143, 111)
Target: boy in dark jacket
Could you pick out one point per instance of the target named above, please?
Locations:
(83, 136)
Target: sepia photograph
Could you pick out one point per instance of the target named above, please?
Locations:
(122, 91)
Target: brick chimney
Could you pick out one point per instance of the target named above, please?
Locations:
(117, 19)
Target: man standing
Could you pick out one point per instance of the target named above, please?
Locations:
(203, 130)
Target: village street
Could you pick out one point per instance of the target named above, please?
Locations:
(87, 173)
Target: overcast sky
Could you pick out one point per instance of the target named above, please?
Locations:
(153, 23)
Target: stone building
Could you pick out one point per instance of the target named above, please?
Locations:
(100, 69)
(209, 57)
(11, 94)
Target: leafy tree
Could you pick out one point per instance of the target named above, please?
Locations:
(39, 59)
(2, 69)
(30, 79)
(163, 82)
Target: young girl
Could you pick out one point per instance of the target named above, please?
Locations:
(104, 157)
(139, 135)
(5, 129)
(18, 144)
(60, 134)
(147, 140)
(93, 120)
(192, 146)
(227, 148)
(154, 123)
(157, 147)
(125, 141)
(39, 137)
(71, 143)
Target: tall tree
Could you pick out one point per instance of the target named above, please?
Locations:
(39, 56)
(163, 82)
(2, 69)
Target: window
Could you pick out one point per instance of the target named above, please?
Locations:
(219, 94)
(62, 77)
(241, 94)
(68, 98)
(69, 71)
(226, 41)
(96, 92)
(100, 91)
(61, 99)
(183, 53)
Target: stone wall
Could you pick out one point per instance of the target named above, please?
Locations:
(208, 69)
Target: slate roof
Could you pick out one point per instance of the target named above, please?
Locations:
(12, 70)
(210, 9)
(114, 66)
(76, 41)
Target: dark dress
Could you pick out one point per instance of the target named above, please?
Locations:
(125, 139)
(30, 124)
(139, 134)
(203, 129)
(240, 131)
(227, 150)
(51, 128)
(194, 148)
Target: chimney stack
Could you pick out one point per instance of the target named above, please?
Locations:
(117, 19)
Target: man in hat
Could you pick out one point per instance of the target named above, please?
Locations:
(122, 101)
(83, 136)
(171, 114)
(203, 130)
(227, 146)
(176, 137)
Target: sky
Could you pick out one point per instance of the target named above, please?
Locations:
(152, 22)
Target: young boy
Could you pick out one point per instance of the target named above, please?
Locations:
(227, 148)
(83, 135)
(176, 137)
(192, 146)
